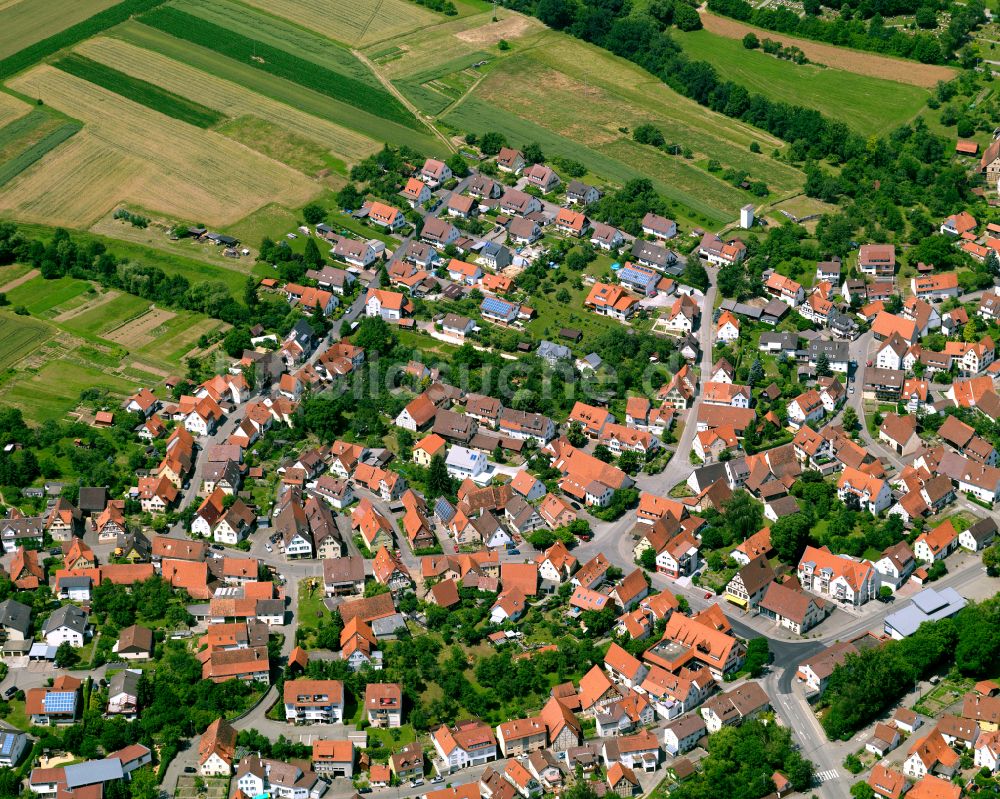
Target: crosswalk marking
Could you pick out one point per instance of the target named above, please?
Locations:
(824, 776)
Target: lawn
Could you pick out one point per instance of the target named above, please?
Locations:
(282, 145)
(393, 739)
(284, 91)
(311, 607)
(19, 337)
(869, 105)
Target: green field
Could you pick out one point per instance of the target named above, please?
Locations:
(27, 139)
(55, 389)
(19, 336)
(869, 105)
(39, 295)
(298, 96)
(332, 82)
(106, 316)
(140, 91)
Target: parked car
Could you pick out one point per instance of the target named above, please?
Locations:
(437, 780)
(218, 547)
(189, 769)
(416, 783)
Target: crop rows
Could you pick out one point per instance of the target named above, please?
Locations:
(101, 21)
(140, 91)
(279, 63)
(15, 166)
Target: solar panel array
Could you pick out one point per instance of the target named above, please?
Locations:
(633, 275)
(494, 305)
(7, 744)
(59, 702)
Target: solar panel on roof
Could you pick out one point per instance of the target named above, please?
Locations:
(6, 744)
(59, 701)
(494, 305)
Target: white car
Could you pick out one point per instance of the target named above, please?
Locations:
(268, 547)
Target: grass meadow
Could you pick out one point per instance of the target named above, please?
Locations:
(24, 22)
(867, 104)
(20, 336)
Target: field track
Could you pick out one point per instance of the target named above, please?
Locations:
(13, 284)
(862, 63)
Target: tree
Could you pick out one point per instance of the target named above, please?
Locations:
(823, 365)
(313, 214)
(533, 153)
(758, 656)
(312, 255)
(790, 536)
(743, 516)
(694, 273)
(492, 142)
(250, 298)
(236, 341)
(143, 784)
(647, 559)
(602, 453)
(648, 134)
(686, 17)
(850, 419)
(884, 593)
(862, 790)
(374, 335)
(991, 560)
(756, 373)
(438, 479)
(459, 168)
(66, 656)
(751, 42)
(404, 438)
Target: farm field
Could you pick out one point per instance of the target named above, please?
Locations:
(20, 337)
(29, 138)
(41, 296)
(11, 108)
(232, 99)
(103, 314)
(353, 22)
(862, 63)
(142, 92)
(867, 104)
(288, 94)
(24, 22)
(425, 51)
(547, 84)
(334, 82)
(128, 153)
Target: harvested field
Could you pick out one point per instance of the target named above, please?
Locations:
(129, 153)
(491, 33)
(858, 61)
(287, 94)
(140, 331)
(230, 98)
(24, 22)
(354, 22)
(11, 108)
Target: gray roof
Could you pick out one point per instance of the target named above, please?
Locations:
(785, 339)
(929, 605)
(652, 253)
(551, 351)
(93, 771)
(124, 682)
(742, 309)
(15, 616)
(67, 616)
(93, 499)
(835, 350)
(387, 625)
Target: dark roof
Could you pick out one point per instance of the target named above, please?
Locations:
(93, 499)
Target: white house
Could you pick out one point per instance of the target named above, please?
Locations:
(67, 624)
(465, 463)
